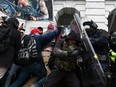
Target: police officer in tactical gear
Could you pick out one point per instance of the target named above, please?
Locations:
(100, 41)
(113, 58)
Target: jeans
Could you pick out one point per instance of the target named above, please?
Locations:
(40, 82)
(12, 71)
(37, 69)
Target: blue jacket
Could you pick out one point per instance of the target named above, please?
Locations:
(38, 67)
(43, 40)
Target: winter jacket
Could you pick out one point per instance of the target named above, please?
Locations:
(43, 40)
(63, 61)
(100, 40)
(6, 58)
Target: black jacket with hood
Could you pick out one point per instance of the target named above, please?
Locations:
(6, 58)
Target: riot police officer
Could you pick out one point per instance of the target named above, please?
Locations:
(113, 58)
(100, 42)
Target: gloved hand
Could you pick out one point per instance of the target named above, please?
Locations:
(94, 40)
(74, 54)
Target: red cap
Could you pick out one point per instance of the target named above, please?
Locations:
(51, 27)
(35, 30)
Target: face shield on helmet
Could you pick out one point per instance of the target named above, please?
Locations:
(91, 23)
(91, 27)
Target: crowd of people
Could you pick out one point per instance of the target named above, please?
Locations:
(25, 9)
(56, 59)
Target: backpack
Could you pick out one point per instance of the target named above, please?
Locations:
(28, 52)
(5, 38)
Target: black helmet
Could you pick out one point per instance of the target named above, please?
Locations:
(92, 27)
(91, 23)
(113, 35)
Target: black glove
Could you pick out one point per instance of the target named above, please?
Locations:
(74, 54)
(69, 54)
(94, 40)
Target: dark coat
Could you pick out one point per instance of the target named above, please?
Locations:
(100, 40)
(6, 59)
(43, 40)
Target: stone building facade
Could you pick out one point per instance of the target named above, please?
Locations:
(96, 10)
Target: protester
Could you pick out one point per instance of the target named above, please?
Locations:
(36, 68)
(65, 70)
(46, 55)
(51, 27)
(36, 31)
(14, 68)
(41, 29)
(21, 29)
(6, 58)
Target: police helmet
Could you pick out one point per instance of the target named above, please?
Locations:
(91, 23)
(113, 35)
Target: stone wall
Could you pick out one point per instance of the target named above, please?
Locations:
(96, 10)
